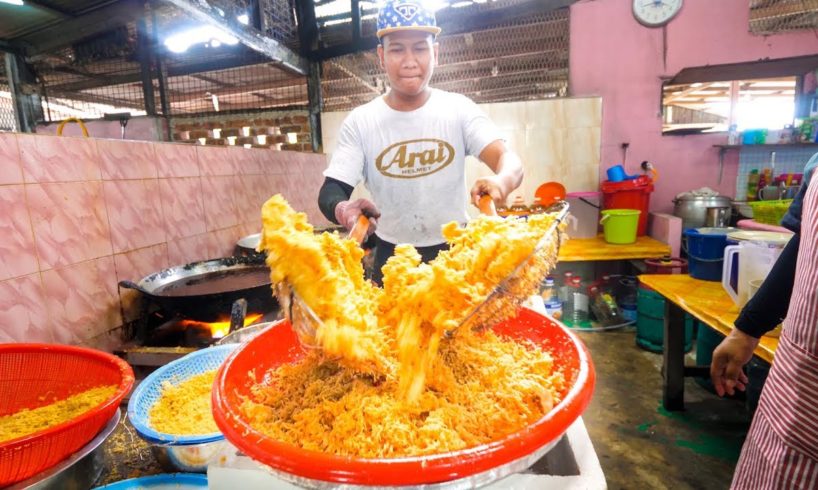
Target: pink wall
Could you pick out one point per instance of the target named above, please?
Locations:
(81, 214)
(614, 56)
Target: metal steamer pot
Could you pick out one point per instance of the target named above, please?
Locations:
(693, 209)
(215, 301)
(246, 246)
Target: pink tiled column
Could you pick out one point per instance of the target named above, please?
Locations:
(23, 313)
(82, 300)
(18, 256)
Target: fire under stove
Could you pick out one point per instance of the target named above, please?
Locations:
(160, 337)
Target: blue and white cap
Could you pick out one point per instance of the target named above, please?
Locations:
(405, 15)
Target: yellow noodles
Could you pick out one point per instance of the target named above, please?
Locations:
(385, 381)
(484, 388)
(185, 409)
(28, 421)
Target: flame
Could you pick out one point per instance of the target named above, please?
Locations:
(221, 328)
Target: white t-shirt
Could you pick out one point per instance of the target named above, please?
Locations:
(413, 163)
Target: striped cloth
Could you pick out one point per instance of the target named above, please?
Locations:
(781, 449)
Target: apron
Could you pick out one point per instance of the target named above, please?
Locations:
(781, 449)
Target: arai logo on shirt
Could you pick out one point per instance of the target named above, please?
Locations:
(414, 158)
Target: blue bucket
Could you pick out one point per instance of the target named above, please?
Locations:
(705, 251)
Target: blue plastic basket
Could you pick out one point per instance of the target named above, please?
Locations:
(173, 480)
(149, 391)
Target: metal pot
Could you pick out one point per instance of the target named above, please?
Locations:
(693, 209)
(206, 290)
(246, 246)
(80, 470)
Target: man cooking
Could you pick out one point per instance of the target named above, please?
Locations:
(409, 146)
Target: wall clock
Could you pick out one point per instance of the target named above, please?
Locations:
(655, 13)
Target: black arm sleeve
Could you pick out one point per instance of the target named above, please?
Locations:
(332, 192)
(769, 305)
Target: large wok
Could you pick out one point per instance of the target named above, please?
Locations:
(206, 290)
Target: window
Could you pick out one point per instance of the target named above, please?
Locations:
(714, 106)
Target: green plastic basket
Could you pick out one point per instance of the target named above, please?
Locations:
(770, 212)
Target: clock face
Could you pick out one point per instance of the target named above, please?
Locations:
(655, 13)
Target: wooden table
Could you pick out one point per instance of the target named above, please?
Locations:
(593, 249)
(710, 305)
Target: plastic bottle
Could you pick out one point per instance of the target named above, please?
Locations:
(732, 135)
(518, 208)
(565, 286)
(604, 308)
(550, 296)
(627, 298)
(752, 185)
(537, 207)
(579, 310)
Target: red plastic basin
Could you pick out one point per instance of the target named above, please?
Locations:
(279, 345)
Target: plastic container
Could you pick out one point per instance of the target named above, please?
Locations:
(620, 225)
(705, 251)
(579, 302)
(30, 373)
(584, 217)
(563, 288)
(604, 308)
(630, 194)
(470, 467)
(173, 481)
(626, 297)
(551, 299)
(666, 265)
(706, 342)
(770, 212)
(190, 453)
(518, 208)
(755, 261)
(650, 322)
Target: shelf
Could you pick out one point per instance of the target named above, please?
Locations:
(723, 149)
(766, 145)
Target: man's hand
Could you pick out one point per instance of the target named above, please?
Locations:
(491, 186)
(347, 213)
(730, 356)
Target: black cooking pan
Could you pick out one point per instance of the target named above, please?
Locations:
(206, 290)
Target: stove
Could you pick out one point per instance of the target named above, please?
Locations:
(159, 337)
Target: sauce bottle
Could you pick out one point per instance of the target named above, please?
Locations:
(518, 208)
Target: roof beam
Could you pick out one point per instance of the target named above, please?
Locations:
(39, 5)
(686, 92)
(458, 24)
(203, 12)
(68, 32)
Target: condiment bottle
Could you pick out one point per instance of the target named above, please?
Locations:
(518, 208)
(537, 207)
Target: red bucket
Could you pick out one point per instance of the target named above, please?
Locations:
(279, 345)
(630, 194)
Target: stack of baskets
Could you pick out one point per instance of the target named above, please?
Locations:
(770, 212)
(175, 452)
(30, 374)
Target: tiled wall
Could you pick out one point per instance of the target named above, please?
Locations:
(557, 140)
(787, 160)
(78, 215)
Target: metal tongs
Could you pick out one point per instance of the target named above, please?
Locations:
(510, 293)
(303, 319)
